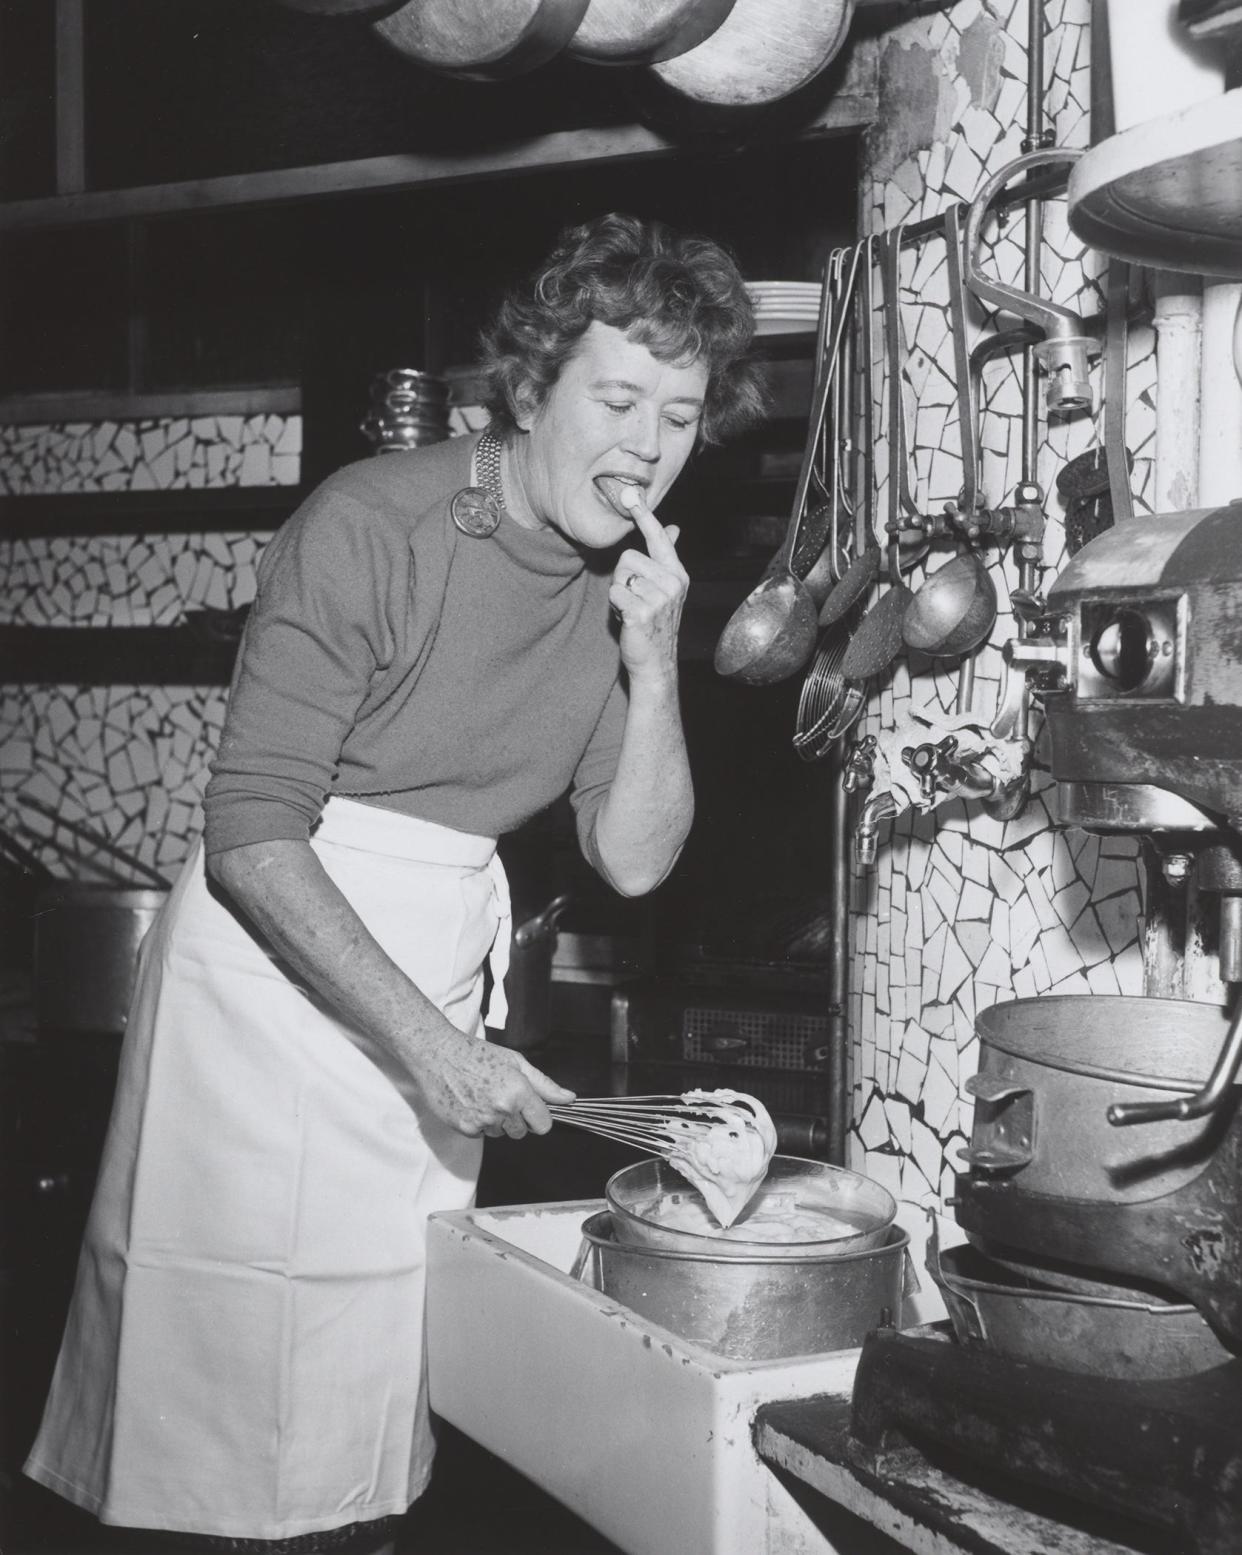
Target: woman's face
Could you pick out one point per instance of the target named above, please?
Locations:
(615, 414)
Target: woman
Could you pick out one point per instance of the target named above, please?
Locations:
(442, 642)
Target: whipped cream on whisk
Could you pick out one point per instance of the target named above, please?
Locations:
(729, 1160)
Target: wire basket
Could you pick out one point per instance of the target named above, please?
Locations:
(831, 703)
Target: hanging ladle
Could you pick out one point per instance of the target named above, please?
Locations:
(772, 633)
(878, 640)
(954, 608)
(865, 561)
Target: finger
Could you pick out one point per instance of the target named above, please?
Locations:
(669, 576)
(536, 1117)
(628, 604)
(544, 1089)
(515, 1128)
(659, 545)
(543, 1085)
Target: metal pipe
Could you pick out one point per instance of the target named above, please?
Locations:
(1034, 140)
(1220, 397)
(1178, 323)
(1035, 186)
(1164, 928)
(1230, 937)
(839, 969)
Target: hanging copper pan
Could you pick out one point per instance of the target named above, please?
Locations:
(763, 51)
(485, 40)
(642, 32)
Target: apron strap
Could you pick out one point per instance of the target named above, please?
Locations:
(498, 957)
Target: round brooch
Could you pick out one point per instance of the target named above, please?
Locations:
(475, 512)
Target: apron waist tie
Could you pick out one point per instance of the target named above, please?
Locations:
(498, 957)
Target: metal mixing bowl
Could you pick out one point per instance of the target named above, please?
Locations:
(754, 1308)
(862, 1208)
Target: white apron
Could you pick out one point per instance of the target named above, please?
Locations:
(244, 1351)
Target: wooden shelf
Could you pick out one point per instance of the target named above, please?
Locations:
(371, 175)
(1167, 193)
(53, 407)
(180, 511)
(113, 655)
(201, 651)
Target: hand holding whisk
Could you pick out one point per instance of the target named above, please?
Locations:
(721, 1141)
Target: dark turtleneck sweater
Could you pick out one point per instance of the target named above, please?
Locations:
(390, 658)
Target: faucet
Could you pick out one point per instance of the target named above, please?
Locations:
(857, 776)
(994, 771)
(879, 807)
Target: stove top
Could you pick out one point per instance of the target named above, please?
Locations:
(1155, 1457)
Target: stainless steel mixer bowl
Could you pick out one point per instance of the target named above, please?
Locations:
(864, 1206)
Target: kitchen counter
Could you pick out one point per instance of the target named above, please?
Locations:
(642, 1433)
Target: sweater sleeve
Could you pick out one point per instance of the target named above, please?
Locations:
(317, 632)
(596, 770)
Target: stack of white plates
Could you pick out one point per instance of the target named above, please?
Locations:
(785, 307)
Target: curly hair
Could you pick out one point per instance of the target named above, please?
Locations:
(680, 296)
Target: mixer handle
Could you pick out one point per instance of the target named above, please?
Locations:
(1183, 1109)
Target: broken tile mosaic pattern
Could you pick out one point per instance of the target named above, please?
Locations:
(960, 909)
(129, 760)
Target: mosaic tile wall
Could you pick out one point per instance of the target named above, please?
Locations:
(165, 455)
(129, 761)
(962, 910)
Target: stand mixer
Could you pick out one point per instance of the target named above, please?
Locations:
(1105, 1164)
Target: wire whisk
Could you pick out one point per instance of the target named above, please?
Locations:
(720, 1141)
(648, 1123)
(657, 1124)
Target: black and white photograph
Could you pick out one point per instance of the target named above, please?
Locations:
(620, 777)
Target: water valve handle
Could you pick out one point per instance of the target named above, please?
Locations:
(859, 770)
(935, 767)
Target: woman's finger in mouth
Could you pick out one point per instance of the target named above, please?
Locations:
(623, 495)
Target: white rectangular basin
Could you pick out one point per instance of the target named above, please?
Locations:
(644, 1435)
